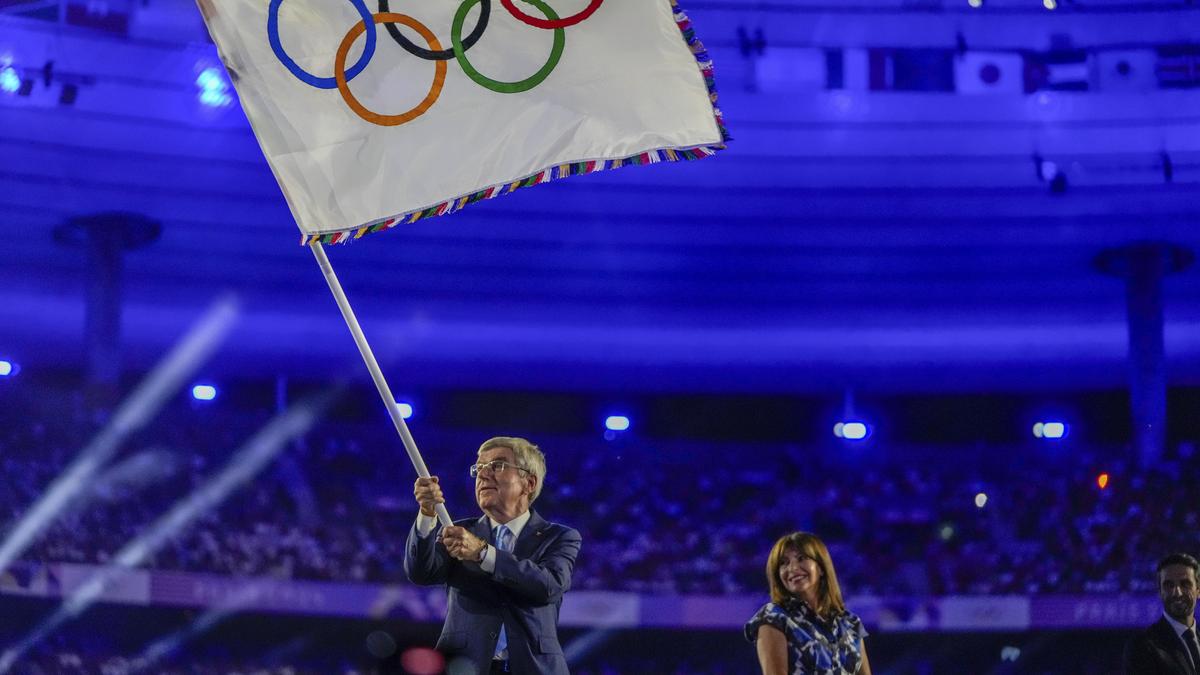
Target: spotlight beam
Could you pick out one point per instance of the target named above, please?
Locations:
(579, 648)
(139, 408)
(167, 645)
(243, 466)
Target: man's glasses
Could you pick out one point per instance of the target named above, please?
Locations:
(494, 467)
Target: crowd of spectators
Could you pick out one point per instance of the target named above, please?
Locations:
(662, 517)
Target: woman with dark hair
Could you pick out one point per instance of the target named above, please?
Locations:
(805, 629)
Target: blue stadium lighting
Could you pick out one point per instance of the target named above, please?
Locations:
(1047, 170)
(1054, 430)
(214, 89)
(204, 392)
(210, 78)
(1050, 430)
(406, 409)
(10, 82)
(616, 423)
(215, 99)
(7, 368)
(851, 431)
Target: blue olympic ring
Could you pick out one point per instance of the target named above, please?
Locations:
(304, 76)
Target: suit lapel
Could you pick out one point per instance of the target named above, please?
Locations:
(483, 529)
(1174, 646)
(532, 536)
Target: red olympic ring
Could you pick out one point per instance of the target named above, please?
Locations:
(339, 71)
(548, 23)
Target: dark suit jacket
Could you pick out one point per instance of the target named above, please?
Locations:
(524, 594)
(1157, 651)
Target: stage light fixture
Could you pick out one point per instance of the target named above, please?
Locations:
(215, 99)
(204, 392)
(851, 431)
(1102, 481)
(214, 88)
(210, 78)
(1047, 170)
(981, 500)
(10, 82)
(616, 423)
(975, 3)
(1050, 4)
(1050, 430)
(406, 409)
(7, 368)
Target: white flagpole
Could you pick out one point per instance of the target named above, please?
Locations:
(376, 374)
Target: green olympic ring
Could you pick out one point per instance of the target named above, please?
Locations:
(460, 53)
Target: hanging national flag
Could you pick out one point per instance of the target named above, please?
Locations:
(911, 69)
(1178, 67)
(1067, 70)
(1125, 70)
(848, 69)
(369, 120)
(989, 73)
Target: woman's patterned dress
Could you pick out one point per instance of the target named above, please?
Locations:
(815, 646)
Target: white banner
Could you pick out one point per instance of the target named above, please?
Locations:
(371, 114)
(989, 73)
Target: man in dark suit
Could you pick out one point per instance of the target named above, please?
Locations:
(506, 572)
(1169, 646)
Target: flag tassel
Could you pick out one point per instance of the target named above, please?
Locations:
(705, 66)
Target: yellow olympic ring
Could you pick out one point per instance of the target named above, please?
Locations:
(339, 71)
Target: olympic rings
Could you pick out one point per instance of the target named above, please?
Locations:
(554, 22)
(339, 71)
(460, 52)
(304, 76)
(485, 11)
(435, 52)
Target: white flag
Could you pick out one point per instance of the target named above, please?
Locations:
(1126, 70)
(989, 73)
(374, 118)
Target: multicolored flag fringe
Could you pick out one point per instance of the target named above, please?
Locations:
(362, 138)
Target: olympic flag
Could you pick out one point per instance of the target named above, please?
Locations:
(373, 119)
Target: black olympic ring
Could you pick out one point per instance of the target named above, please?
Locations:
(485, 11)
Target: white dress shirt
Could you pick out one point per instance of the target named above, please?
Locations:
(425, 525)
(1180, 629)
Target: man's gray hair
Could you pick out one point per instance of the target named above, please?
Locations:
(527, 455)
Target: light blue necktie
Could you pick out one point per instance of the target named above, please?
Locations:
(504, 542)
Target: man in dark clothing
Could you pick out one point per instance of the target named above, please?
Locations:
(506, 571)
(1169, 646)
